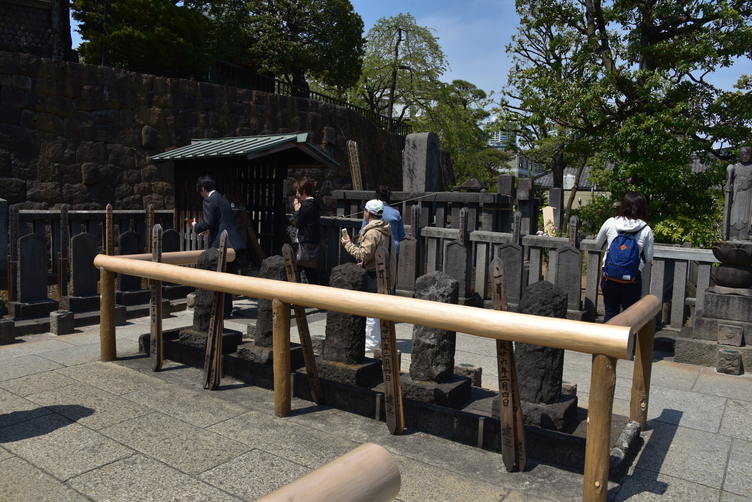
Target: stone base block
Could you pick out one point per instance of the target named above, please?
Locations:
(705, 353)
(31, 310)
(452, 394)
(176, 291)
(128, 298)
(7, 331)
(144, 341)
(361, 375)
(61, 322)
(121, 315)
(727, 306)
(705, 328)
(729, 362)
(561, 416)
(265, 355)
(474, 373)
(80, 303)
(230, 339)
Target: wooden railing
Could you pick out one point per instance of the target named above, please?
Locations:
(607, 342)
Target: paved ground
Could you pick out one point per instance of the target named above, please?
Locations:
(73, 429)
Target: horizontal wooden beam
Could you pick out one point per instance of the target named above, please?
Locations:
(612, 340)
(177, 257)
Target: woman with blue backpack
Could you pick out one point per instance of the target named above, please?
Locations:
(629, 246)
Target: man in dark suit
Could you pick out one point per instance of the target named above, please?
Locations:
(218, 216)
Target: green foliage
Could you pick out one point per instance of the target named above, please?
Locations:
(143, 35)
(306, 39)
(401, 68)
(622, 83)
(456, 115)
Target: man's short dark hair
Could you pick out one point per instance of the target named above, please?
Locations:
(206, 182)
(384, 194)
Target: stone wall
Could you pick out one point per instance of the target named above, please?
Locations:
(82, 134)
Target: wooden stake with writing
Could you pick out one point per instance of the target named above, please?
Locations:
(513, 449)
(305, 335)
(395, 418)
(213, 359)
(155, 340)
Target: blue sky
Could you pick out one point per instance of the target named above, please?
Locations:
(474, 34)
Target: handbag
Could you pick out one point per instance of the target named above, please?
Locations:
(308, 255)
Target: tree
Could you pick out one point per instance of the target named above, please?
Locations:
(401, 67)
(302, 39)
(456, 113)
(142, 35)
(627, 78)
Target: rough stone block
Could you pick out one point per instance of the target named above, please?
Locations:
(561, 416)
(121, 315)
(450, 394)
(697, 352)
(729, 362)
(231, 339)
(61, 322)
(365, 374)
(129, 298)
(7, 331)
(474, 373)
(317, 341)
(191, 300)
(265, 355)
(568, 389)
(31, 310)
(80, 303)
(729, 334)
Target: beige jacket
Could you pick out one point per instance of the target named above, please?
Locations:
(374, 235)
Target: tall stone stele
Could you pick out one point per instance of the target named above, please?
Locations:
(722, 330)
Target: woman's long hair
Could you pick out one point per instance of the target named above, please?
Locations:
(634, 206)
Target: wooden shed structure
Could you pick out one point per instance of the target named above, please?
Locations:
(251, 172)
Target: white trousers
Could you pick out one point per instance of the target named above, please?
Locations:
(373, 334)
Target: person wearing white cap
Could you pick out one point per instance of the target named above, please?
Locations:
(375, 234)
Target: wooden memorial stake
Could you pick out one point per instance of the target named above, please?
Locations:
(352, 152)
(395, 418)
(155, 340)
(305, 335)
(213, 359)
(513, 450)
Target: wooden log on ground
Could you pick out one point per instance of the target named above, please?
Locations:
(366, 474)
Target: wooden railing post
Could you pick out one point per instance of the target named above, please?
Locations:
(107, 340)
(282, 365)
(643, 367)
(597, 446)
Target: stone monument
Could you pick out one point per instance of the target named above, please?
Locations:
(722, 330)
(421, 166)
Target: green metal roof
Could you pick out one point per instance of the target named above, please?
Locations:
(251, 147)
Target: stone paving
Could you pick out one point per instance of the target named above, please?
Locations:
(73, 428)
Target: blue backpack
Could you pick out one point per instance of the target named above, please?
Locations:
(623, 259)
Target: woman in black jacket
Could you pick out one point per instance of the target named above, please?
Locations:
(308, 222)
